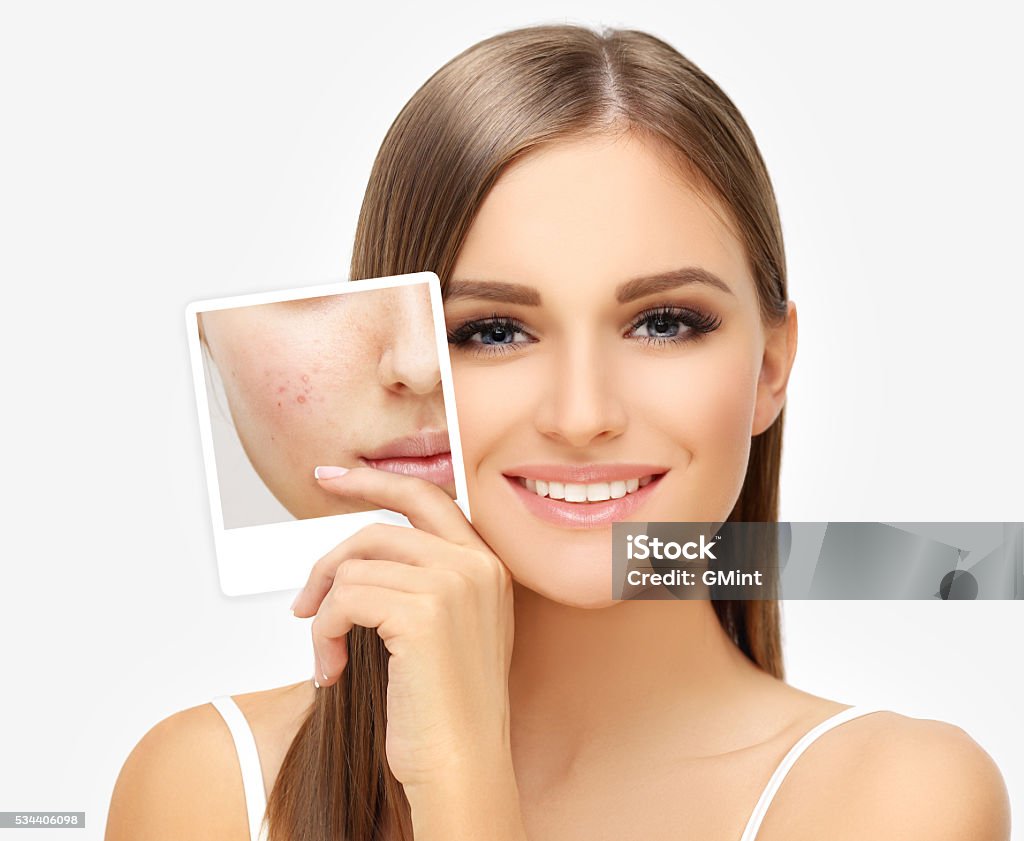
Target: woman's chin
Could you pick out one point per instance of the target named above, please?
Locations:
(588, 591)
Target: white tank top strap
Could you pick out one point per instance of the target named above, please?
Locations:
(249, 760)
(761, 809)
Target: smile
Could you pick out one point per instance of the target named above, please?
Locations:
(584, 496)
(594, 492)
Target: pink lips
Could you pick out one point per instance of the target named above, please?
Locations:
(584, 515)
(426, 455)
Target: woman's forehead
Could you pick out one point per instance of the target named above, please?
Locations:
(600, 209)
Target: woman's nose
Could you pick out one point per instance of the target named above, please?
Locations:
(583, 403)
(408, 361)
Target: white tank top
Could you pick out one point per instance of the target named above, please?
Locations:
(256, 798)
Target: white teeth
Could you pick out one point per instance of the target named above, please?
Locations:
(575, 493)
(591, 492)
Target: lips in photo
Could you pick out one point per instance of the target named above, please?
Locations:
(426, 454)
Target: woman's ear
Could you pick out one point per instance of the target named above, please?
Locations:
(777, 362)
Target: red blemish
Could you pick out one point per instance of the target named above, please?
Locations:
(280, 389)
(301, 398)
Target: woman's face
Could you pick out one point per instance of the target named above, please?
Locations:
(604, 329)
(342, 380)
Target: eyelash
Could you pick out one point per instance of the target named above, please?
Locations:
(699, 324)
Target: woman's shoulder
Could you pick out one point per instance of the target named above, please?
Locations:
(183, 778)
(275, 716)
(885, 775)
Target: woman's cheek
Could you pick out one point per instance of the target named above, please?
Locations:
(273, 399)
(286, 410)
(704, 407)
(484, 408)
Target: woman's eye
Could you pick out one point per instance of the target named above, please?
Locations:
(489, 335)
(673, 325)
(497, 334)
(656, 326)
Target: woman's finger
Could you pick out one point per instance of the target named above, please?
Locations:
(377, 540)
(423, 503)
(390, 611)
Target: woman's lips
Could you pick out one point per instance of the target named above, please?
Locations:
(583, 515)
(436, 468)
(421, 444)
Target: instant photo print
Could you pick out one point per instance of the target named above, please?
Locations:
(341, 374)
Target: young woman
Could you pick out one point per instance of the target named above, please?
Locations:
(621, 339)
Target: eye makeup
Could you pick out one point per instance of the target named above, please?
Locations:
(664, 326)
(496, 326)
(661, 319)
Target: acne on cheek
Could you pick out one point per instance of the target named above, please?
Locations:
(291, 392)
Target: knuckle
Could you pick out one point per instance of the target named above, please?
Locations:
(337, 598)
(456, 583)
(484, 567)
(431, 608)
(373, 531)
(350, 571)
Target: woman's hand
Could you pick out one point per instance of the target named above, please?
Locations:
(442, 603)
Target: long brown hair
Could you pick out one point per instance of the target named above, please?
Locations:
(486, 108)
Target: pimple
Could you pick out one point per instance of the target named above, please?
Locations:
(305, 378)
(301, 398)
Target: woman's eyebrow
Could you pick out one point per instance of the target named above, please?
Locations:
(492, 290)
(638, 287)
(641, 286)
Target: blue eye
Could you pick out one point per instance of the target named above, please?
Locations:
(496, 333)
(674, 324)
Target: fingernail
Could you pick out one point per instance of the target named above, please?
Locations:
(317, 685)
(329, 472)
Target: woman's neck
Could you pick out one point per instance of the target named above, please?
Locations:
(607, 673)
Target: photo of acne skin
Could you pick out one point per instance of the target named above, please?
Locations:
(343, 380)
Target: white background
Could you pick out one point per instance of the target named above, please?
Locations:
(156, 154)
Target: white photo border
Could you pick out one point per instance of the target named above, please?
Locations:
(279, 556)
